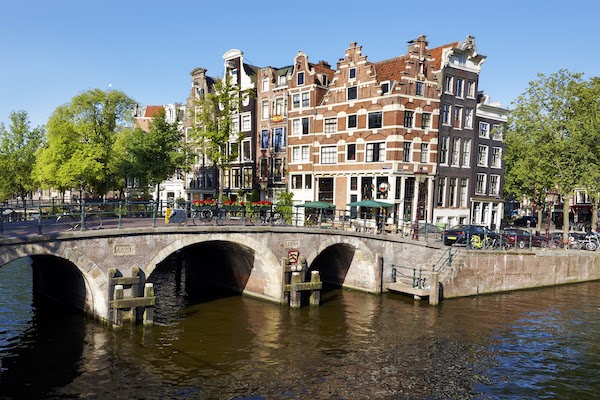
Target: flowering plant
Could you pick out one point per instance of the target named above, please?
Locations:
(233, 203)
(262, 203)
(205, 203)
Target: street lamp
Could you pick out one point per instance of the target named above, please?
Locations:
(551, 198)
(420, 177)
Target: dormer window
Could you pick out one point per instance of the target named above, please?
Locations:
(300, 78)
(419, 88)
(385, 88)
(352, 73)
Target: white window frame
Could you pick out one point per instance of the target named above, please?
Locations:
(494, 184)
(246, 122)
(265, 84)
(264, 110)
(464, 187)
(355, 121)
(480, 184)
(328, 154)
(466, 154)
(444, 150)
(468, 118)
(446, 112)
(426, 119)
(460, 86)
(246, 150)
(455, 152)
(330, 125)
(371, 148)
(300, 78)
(484, 130)
(482, 155)
(496, 157)
(424, 153)
(352, 71)
(449, 84)
(348, 93)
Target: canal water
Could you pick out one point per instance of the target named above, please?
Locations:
(542, 343)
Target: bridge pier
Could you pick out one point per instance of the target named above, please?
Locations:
(121, 308)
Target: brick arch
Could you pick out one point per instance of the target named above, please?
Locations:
(265, 263)
(364, 258)
(93, 278)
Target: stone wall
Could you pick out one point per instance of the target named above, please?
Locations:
(480, 272)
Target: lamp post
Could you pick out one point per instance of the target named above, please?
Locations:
(420, 177)
(551, 198)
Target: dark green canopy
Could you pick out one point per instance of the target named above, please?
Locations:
(370, 203)
(317, 204)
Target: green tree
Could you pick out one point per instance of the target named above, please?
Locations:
(18, 145)
(543, 148)
(215, 131)
(154, 156)
(80, 141)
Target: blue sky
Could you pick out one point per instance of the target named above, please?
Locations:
(53, 50)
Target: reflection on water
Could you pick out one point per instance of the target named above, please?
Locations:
(528, 344)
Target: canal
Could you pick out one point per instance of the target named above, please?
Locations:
(541, 343)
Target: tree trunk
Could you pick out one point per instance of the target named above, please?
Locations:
(566, 209)
(594, 214)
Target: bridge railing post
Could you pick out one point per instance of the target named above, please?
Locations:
(120, 214)
(39, 219)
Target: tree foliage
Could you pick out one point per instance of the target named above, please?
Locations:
(552, 139)
(153, 156)
(80, 141)
(18, 145)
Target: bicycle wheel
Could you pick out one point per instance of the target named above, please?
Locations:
(93, 221)
(67, 222)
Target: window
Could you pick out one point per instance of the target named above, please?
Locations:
(457, 117)
(446, 114)
(246, 151)
(330, 125)
(328, 154)
(444, 150)
(497, 132)
(278, 170)
(469, 118)
(424, 152)
(452, 193)
(496, 157)
(278, 139)
(265, 84)
(459, 87)
(455, 151)
(246, 123)
(353, 183)
(495, 184)
(308, 181)
(484, 130)
(466, 161)
(419, 88)
(235, 124)
(247, 178)
(264, 168)
(300, 126)
(440, 198)
(296, 181)
(463, 192)
(279, 106)
(375, 152)
(480, 184)
(300, 78)
(375, 119)
(471, 88)
(264, 114)
(296, 100)
(351, 152)
(425, 121)
(281, 80)
(482, 155)
(385, 88)
(235, 178)
(406, 150)
(234, 151)
(300, 153)
(408, 119)
(352, 73)
(352, 93)
(306, 99)
(352, 121)
(264, 139)
(448, 84)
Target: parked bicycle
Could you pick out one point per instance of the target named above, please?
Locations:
(201, 216)
(72, 221)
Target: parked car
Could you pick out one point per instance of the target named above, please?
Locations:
(522, 238)
(428, 230)
(460, 233)
(526, 221)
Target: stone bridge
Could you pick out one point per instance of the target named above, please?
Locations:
(77, 267)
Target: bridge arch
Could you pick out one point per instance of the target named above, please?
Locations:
(343, 261)
(265, 264)
(94, 281)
